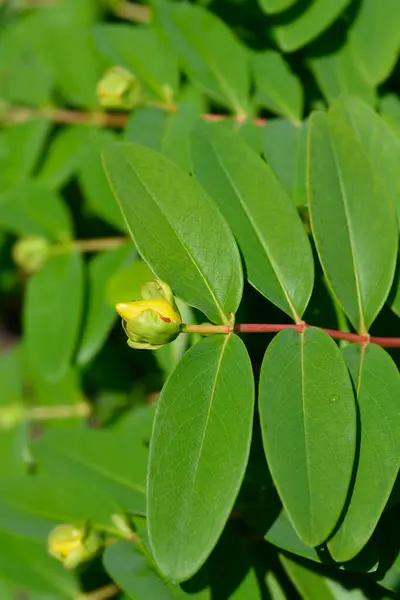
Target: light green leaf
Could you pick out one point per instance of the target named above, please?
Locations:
(198, 453)
(284, 148)
(277, 87)
(376, 379)
(64, 156)
(100, 315)
(20, 148)
(353, 219)
(264, 220)
(176, 139)
(52, 311)
(93, 181)
(113, 461)
(33, 209)
(125, 284)
(210, 53)
(375, 39)
(275, 6)
(142, 51)
(308, 421)
(146, 126)
(380, 144)
(177, 229)
(390, 112)
(317, 16)
(338, 73)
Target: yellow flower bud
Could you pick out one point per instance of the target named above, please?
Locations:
(73, 545)
(118, 89)
(152, 322)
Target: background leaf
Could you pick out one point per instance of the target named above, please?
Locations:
(203, 264)
(198, 453)
(308, 421)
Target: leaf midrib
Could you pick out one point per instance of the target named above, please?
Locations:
(306, 448)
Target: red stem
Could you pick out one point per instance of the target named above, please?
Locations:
(386, 342)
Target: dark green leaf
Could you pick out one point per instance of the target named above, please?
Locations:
(52, 313)
(308, 421)
(177, 229)
(376, 379)
(264, 220)
(317, 16)
(198, 453)
(20, 148)
(210, 53)
(277, 87)
(283, 535)
(143, 52)
(284, 148)
(100, 315)
(31, 208)
(353, 219)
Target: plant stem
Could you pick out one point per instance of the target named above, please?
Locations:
(139, 13)
(93, 245)
(386, 342)
(104, 593)
(46, 413)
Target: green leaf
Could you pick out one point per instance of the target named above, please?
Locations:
(275, 6)
(100, 315)
(308, 421)
(390, 112)
(177, 229)
(277, 87)
(176, 139)
(142, 51)
(210, 53)
(111, 461)
(138, 577)
(264, 220)
(146, 126)
(284, 148)
(52, 313)
(93, 181)
(25, 562)
(33, 209)
(380, 144)
(198, 453)
(283, 535)
(125, 284)
(375, 40)
(64, 156)
(338, 74)
(376, 379)
(20, 148)
(317, 16)
(353, 219)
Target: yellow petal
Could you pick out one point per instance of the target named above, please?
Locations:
(131, 310)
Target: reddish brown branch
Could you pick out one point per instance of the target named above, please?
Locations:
(386, 342)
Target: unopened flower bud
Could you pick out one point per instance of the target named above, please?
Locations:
(118, 89)
(31, 252)
(152, 322)
(73, 545)
(11, 415)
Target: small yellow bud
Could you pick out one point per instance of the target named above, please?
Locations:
(11, 415)
(118, 89)
(31, 252)
(73, 545)
(152, 322)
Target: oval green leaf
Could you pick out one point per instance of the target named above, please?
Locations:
(275, 6)
(177, 229)
(269, 231)
(353, 219)
(308, 421)
(52, 313)
(376, 379)
(198, 453)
